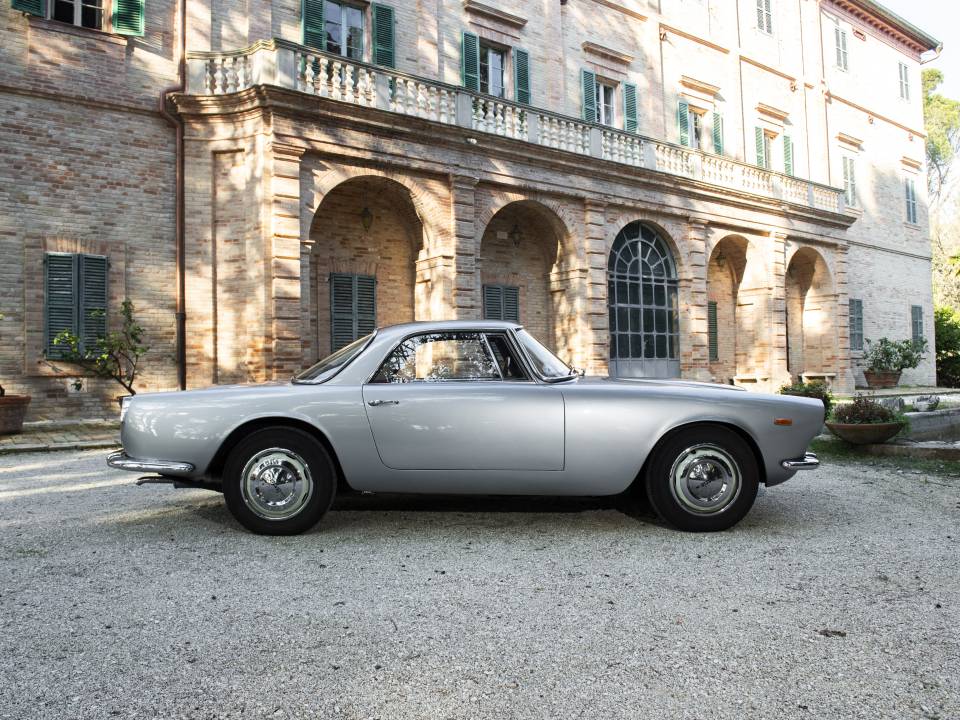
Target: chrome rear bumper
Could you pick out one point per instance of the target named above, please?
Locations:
(808, 462)
(122, 461)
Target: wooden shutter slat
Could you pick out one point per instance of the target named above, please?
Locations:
(93, 300)
(787, 155)
(492, 302)
(342, 317)
(712, 331)
(521, 75)
(588, 95)
(761, 147)
(470, 61)
(630, 119)
(366, 293)
(683, 122)
(511, 304)
(311, 22)
(31, 7)
(718, 133)
(128, 17)
(383, 35)
(60, 299)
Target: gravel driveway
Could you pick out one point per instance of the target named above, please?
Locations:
(836, 598)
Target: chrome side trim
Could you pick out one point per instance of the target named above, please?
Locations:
(808, 462)
(122, 461)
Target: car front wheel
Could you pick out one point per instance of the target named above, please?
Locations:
(703, 479)
(278, 481)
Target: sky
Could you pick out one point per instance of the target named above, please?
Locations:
(940, 18)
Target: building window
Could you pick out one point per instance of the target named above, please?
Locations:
(353, 308)
(840, 37)
(501, 302)
(916, 321)
(85, 13)
(764, 141)
(910, 189)
(75, 300)
(343, 25)
(764, 16)
(904, 81)
(491, 70)
(696, 129)
(713, 339)
(605, 95)
(856, 324)
(849, 181)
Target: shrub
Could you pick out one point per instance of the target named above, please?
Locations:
(947, 322)
(887, 355)
(814, 389)
(864, 411)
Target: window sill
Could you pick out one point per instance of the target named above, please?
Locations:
(76, 30)
(912, 226)
(59, 369)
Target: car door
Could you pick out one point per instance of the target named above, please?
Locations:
(447, 401)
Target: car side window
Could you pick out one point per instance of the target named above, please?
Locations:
(510, 367)
(439, 357)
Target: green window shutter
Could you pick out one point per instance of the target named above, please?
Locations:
(383, 35)
(470, 61)
(128, 17)
(712, 332)
(311, 23)
(60, 299)
(521, 75)
(493, 302)
(353, 308)
(761, 147)
(787, 155)
(93, 300)
(630, 123)
(849, 181)
(916, 318)
(683, 122)
(588, 95)
(718, 133)
(511, 304)
(31, 7)
(856, 324)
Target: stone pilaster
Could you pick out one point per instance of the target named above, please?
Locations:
(694, 340)
(777, 317)
(592, 339)
(462, 300)
(844, 381)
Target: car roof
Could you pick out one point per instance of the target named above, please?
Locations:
(445, 326)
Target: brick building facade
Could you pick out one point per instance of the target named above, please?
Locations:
(657, 187)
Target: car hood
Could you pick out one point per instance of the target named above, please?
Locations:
(656, 382)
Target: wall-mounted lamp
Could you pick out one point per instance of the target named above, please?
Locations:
(515, 235)
(366, 219)
(721, 260)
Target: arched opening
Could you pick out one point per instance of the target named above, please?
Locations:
(642, 301)
(729, 341)
(365, 236)
(518, 252)
(811, 309)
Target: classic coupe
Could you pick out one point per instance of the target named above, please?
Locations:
(466, 407)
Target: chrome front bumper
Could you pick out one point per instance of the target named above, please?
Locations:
(808, 462)
(122, 461)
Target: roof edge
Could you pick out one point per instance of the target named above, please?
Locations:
(902, 24)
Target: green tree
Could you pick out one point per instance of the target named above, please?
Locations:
(941, 117)
(947, 326)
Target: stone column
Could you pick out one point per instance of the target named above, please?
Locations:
(283, 352)
(592, 336)
(464, 301)
(694, 333)
(777, 316)
(844, 382)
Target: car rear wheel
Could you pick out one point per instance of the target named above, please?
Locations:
(702, 479)
(278, 481)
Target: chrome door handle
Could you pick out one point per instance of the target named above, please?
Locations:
(378, 403)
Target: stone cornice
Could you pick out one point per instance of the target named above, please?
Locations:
(592, 48)
(492, 13)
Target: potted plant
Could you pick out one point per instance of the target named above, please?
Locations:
(13, 408)
(886, 359)
(115, 356)
(814, 389)
(864, 422)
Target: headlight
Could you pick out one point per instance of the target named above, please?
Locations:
(124, 404)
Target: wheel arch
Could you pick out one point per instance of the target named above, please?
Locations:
(215, 468)
(677, 429)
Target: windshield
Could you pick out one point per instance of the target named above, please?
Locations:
(331, 364)
(547, 365)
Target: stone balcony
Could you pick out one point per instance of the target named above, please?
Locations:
(296, 67)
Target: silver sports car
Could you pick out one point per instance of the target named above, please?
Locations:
(467, 407)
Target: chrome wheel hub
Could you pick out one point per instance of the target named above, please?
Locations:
(276, 484)
(705, 479)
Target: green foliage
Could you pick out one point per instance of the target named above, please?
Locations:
(864, 411)
(814, 389)
(115, 356)
(894, 355)
(947, 323)
(941, 117)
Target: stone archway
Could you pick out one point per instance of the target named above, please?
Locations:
(811, 303)
(519, 253)
(364, 241)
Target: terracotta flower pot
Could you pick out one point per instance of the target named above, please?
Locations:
(864, 433)
(882, 378)
(12, 410)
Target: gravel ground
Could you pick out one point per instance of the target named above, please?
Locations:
(836, 598)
